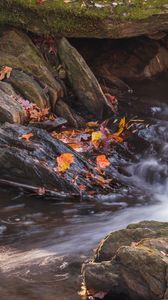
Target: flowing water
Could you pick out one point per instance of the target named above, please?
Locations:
(43, 243)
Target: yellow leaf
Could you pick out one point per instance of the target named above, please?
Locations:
(64, 161)
(102, 162)
(96, 136)
(122, 126)
(122, 123)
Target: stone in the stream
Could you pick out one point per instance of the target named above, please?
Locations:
(10, 110)
(35, 161)
(82, 80)
(132, 262)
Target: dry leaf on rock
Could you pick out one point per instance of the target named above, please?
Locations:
(102, 161)
(64, 161)
(5, 72)
(27, 136)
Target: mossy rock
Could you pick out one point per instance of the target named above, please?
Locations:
(132, 262)
(77, 20)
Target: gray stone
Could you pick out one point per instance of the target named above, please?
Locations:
(132, 261)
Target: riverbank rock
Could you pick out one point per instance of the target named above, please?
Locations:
(29, 154)
(32, 76)
(125, 60)
(132, 262)
(18, 52)
(10, 110)
(83, 82)
(102, 19)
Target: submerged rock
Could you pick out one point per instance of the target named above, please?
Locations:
(132, 262)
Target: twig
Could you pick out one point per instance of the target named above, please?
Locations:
(40, 190)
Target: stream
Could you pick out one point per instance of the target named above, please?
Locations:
(43, 243)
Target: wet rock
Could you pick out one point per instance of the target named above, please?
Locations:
(7, 88)
(29, 88)
(35, 161)
(32, 77)
(18, 51)
(123, 61)
(132, 261)
(50, 125)
(10, 110)
(82, 80)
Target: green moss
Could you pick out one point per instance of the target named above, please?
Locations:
(72, 19)
(139, 9)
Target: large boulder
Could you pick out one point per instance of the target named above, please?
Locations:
(83, 82)
(131, 262)
(32, 77)
(103, 19)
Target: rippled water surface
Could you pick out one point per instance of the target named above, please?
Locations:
(43, 243)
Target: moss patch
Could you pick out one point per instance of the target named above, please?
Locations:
(74, 19)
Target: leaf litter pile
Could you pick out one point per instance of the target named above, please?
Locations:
(86, 163)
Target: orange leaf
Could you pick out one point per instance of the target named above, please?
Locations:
(64, 161)
(102, 162)
(93, 124)
(76, 147)
(5, 72)
(82, 187)
(27, 136)
(115, 137)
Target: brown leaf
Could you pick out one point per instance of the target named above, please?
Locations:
(5, 72)
(27, 136)
(76, 147)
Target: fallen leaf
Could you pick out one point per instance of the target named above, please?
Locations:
(102, 161)
(111, 102)
(76, 147)
(115, 137)
(96, 136)
(92, 124)
(64, 161)
(82, 187)
(27, 136)
(122, 126)
(5, 72)
(122, 123)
